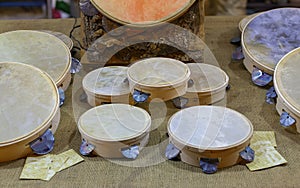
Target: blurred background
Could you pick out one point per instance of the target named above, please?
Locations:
(37, 9)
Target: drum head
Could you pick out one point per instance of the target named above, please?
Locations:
(287, 79)
(28, 101)
(210, 127)
(67, 40)
(245, 21)
(108, 81)
(207, 78)
(36, 48)
(114, 122)
(142, 12)
(158, 72)
(271, 35)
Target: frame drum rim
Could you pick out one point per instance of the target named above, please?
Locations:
(278, 82)
(237, 143)
(60, 78)
(168, 18)
(84, 133)
(258, 63)
(48, 120)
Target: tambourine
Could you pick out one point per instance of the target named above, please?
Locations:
(211, 137)
(287, 87)
(266, 39)
(207, 85)
(107, 85)
(29, 111)
(114, 131)
(162, 78)
(39, 49)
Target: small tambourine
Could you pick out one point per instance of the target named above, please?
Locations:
(211, 137)
(162, 78)
(29, 105)
(266, 39)
(107, 85)
(287, 87)
(207, 85)
(114, 131)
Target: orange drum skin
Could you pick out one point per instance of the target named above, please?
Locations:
(142, 12)
(286, 84)
(162, 78)
(37, 108)
(39, 49)
(210, 132)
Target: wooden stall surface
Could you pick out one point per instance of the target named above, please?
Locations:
(243, 97)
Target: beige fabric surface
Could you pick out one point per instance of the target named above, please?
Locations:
(243, 97)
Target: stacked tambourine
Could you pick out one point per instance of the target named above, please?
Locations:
(35, 69)
(200, 134)
(268, 41)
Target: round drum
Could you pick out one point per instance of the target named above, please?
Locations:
(210, 133)
(286, 84)
(111, 129)
(162, 78)
(39, 49)
(269, 36)
(29, 105)
(142, 13)
(107, 85)
(207, 86)
(67, 40)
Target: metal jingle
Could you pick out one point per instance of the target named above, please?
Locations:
(62, 96)
(131, 152)
(238, 54)
(86, 148)
(228, 87)
(261, 78)
(44, 144)
(171, 151)
(180, 102)
(286, 120)
(209, 166)
(88, 8)
(236, 40)
(271, 95)
(139, 96)
(75, 66)
(190, 83)
(247, 154)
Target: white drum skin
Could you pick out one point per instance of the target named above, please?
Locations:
(268, 37)
(107, 85)
(209, 84)
(32, 96)
(162, 78)
(113, 127)
(39, 49)
(210, 132)
(286, 84)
